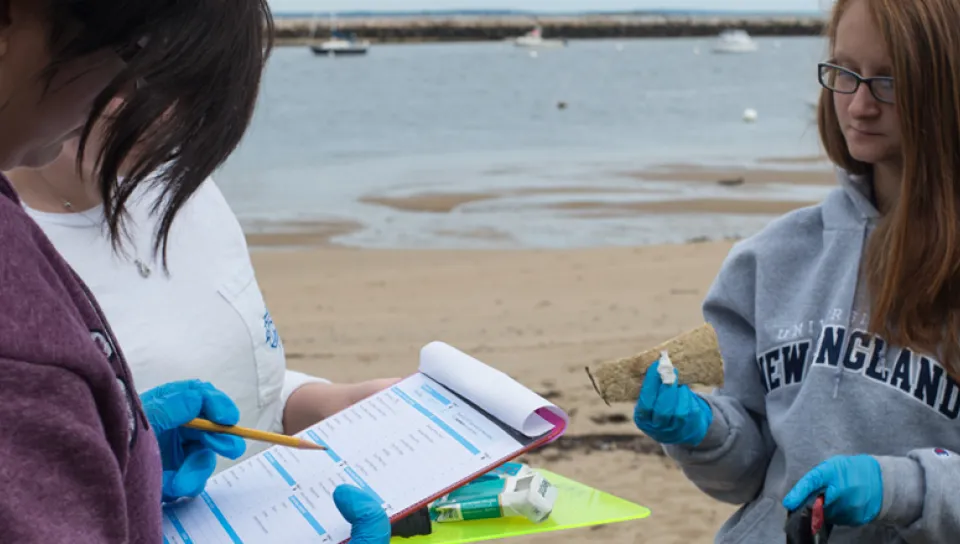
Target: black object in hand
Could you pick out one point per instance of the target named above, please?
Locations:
(417, 523)
(808, 525)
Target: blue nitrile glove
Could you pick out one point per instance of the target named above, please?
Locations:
(852, 489)
(190, 456)
(369, 523)
(671, 414)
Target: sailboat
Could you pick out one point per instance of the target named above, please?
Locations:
(340, 42)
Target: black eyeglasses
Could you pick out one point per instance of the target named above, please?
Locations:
(841, 80)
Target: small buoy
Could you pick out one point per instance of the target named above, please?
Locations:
(533, 54)
(749, 115)
(561, 105)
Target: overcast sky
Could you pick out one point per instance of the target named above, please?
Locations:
(544, 5)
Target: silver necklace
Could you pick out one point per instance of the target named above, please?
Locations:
(142, 267)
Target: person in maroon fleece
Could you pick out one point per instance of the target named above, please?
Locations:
(79, 455)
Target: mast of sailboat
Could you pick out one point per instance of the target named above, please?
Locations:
(313, 24)
(313, 27)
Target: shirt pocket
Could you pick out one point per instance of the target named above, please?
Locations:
(242, 293)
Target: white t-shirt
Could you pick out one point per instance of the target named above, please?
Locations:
(206, 320)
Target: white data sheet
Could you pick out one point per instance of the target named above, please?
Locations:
(403, 445)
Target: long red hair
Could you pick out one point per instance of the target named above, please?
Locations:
(912, 262)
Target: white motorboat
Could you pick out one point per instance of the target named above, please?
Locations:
(341, 43)
(534, 39)
(734, 41)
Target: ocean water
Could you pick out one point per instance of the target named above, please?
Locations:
(485, 118)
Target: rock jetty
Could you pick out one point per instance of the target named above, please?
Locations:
(476, 28)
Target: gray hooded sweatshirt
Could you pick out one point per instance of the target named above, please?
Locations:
(805, 382)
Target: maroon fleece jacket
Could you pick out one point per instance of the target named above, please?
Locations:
(78, 461)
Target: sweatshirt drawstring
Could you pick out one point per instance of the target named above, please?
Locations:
(836, 382)
(851, 307)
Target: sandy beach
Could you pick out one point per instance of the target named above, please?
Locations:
(539, 316)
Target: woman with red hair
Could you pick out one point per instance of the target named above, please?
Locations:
(839, 324)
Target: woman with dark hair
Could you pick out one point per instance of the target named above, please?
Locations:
(205, 318)
(839, 324)
(79, 449)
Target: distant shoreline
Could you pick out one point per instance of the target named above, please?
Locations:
(463, 28)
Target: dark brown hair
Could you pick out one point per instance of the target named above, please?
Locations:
(189, 89)
(912, 263)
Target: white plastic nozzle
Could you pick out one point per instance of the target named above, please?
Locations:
(666, 369)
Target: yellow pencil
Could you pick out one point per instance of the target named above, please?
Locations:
(254, 434)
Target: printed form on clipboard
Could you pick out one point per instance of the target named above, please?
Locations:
(454, 420)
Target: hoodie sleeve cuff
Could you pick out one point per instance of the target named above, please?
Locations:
(718, 433)
(903, 490)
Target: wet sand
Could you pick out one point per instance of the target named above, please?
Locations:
(762, 189)
(694, 206)
(803, 171)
